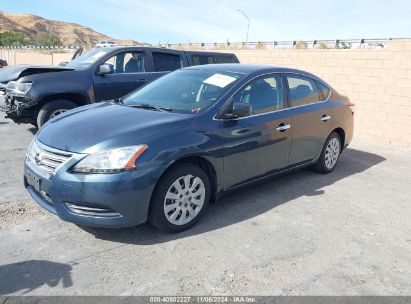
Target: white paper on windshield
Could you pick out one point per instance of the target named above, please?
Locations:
(95, 57)
(98, 55)
(219, 80)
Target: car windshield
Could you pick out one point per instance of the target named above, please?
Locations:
(187, 91)
(87, 59)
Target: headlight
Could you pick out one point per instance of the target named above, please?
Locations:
(19, 87)
(110, 161)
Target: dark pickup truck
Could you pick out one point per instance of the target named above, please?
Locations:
(3, 63)
(34, 94)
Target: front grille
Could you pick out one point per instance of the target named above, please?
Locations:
(46, 159)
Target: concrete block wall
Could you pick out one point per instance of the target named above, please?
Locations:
(378, 81)
(15, 57)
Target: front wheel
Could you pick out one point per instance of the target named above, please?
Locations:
(329, 154)
(52, 109)
(180, 198)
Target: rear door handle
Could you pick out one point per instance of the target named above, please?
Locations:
(325, 117)
(282, 127)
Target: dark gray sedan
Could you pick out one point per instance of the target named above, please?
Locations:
(169, 148)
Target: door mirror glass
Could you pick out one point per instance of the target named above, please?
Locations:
(105, 69)
(240, 109)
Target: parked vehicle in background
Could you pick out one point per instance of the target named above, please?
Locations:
(105, 43)
(163, 152)
(37, 94)
(76, 54)
(21, 70)
(3, 63)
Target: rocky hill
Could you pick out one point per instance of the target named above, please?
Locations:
(68, 33)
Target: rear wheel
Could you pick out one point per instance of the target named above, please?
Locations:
(52, 109)
(329, 154)
(180, 199)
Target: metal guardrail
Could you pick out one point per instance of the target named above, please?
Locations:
(38, 47)
(310, 44)
(303, 44)
(53, 47)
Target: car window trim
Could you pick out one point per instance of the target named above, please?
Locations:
(289, 107)
(215, 117)
(329, 89)
(105, 58)
(316, 81)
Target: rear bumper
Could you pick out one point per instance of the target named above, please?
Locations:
(112, 200)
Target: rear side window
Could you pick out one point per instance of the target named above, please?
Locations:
(166, 62)
(303, 90)
(203, 59)
(264, 94)
(200, 60)
(325, 91)
(224, 59)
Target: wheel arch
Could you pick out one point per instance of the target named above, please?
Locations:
(340, 131)
(202, 162)
(77, 98)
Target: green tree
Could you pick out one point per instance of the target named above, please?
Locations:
(343, 45)
(301, 45)
(13, 38)
(46, 39)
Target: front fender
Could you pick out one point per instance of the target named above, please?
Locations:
(184, 144)
(45, 86)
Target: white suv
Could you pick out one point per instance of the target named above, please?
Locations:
(105, 43)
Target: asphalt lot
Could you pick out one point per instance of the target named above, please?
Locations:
(346, 233)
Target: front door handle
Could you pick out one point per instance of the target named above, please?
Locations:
(282, 127)
(325, 117)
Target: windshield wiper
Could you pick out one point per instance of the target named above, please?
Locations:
(118, 100)
(151, 107)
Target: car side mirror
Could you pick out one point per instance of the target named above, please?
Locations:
(105, 69)
(62, 64)
(239, 109)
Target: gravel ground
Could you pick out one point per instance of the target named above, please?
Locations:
(346, 233)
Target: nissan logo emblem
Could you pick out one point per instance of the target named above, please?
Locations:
(37, 158)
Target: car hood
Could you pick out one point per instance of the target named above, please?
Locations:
(107, 125)
(15, 72)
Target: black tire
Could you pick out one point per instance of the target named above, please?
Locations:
(321, 165)
(157, 215)
(50, 107)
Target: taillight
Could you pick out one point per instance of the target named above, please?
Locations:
(351, 105)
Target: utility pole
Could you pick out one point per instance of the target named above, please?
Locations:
(248, 23)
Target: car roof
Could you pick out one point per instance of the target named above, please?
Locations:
(136, 47)
(209, 52)
(153, 48)
(247, 68)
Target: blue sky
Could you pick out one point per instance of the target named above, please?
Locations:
(163, 21)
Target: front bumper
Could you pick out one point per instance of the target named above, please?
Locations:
(19, 108)
(102, 200)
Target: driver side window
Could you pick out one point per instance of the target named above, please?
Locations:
(127, 62)
(264, 94)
